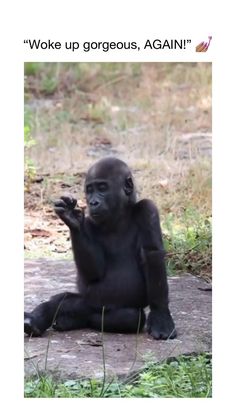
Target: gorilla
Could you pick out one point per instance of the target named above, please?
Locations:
(119, 256)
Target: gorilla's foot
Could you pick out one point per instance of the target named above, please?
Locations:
(29, 327)
(160, 325)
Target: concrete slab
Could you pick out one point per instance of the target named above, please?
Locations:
(71, 355)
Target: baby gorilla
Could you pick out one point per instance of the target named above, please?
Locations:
(119, 256)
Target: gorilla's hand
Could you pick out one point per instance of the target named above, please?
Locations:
(160, 324)
(65, 209)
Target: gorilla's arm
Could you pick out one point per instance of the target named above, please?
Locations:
(160, 323)
(88, 255)
(152, 252)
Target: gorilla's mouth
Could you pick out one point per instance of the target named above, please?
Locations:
(96, 214)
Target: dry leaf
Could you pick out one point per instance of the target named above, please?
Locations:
(38, 232)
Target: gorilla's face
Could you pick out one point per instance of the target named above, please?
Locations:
(100, 199)
(109, 190)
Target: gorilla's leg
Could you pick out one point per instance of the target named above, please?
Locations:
(65, 311)
(118, 320)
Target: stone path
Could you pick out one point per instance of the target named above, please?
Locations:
(80, 353)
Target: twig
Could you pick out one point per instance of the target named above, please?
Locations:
(136, 342)
(53, 320)
(183, 252)
(115, 80)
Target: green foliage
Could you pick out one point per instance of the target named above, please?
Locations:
(29, 167)
(181, 377)
(47, 77)
(98, 112)
(32, 69)
(188, 243)
(28, 140)
(49, 85)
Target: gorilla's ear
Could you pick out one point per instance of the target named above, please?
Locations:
(129, 186)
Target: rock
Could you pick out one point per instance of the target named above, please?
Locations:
(76, 354)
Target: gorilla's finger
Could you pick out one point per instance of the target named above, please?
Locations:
(59, 203)
(78, 212)
(60, 210)
(69, 201)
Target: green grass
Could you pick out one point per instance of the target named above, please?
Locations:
(188, 243)
(185, 376)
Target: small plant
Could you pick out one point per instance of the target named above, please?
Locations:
(99, 112)
(49, 85)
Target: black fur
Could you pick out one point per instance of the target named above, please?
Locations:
(119, 256)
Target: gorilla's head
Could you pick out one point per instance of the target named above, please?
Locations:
(109, 190)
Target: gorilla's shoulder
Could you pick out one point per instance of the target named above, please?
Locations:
(146, 207)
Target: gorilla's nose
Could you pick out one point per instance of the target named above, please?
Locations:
(94, 203)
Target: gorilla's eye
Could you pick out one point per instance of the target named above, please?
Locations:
(89, 189)
(102, 187)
